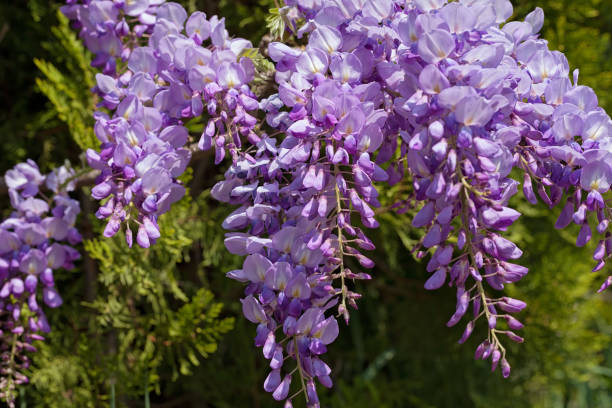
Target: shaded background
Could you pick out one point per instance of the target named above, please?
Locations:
(167, 321)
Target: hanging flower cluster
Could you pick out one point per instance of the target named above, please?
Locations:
(477, 101)
(173, 76)
(36, 239)
(466, 100)
(297, 199)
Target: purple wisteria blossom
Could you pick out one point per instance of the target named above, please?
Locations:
(471, 102)
(36, 239)
(111, 29)
(469, 99)
(188, 68)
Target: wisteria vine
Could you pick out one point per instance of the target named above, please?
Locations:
(449, 98)
(35, 240)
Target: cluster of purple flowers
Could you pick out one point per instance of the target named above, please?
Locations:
(112, 28)
(36, 239)
(447, 96)
(172, 78)
(466, 102)
(297, 199)
(475, 102)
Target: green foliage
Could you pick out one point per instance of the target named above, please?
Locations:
(62, 380)
(263, 66)
(276, 24)
(70, 91)
(152, 320)
(245, 18)
(26, 127)
(263, 83)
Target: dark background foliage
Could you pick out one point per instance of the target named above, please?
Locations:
(165, 324)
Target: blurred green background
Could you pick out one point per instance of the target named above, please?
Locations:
(163, 326)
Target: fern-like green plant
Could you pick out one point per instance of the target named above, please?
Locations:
(68, 87)
(152, 321)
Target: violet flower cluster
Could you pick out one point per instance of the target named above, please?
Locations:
(36, 239)
(470, 102)
(298, 202)
(187, 67)
(474, 101)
